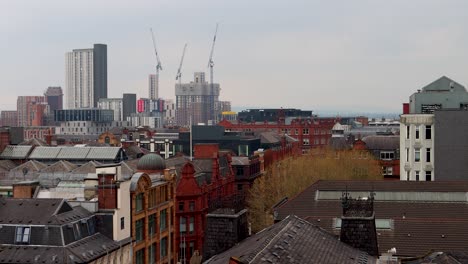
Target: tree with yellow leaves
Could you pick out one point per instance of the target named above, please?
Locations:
(287, 178)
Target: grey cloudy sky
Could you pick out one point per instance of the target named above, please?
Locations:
(318, 55)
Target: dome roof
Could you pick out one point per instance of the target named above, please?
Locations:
(151, 162)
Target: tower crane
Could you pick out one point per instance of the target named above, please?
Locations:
(152, 92)
(212, 115)
(179, 71)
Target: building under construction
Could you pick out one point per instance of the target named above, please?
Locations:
(193, 101)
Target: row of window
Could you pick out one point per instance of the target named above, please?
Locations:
(418, 175)
(417, 155)
(191, 206)
(317, 141)
(183, 225)
(417, 133)
(152, 225)
(305, 131)
(163, 247)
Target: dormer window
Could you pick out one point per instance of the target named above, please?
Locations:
(23, 234)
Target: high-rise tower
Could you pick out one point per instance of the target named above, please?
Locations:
(153, 89)
(86, 76)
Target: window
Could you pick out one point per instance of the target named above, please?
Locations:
(182, 252)
(140, 256)
(192, 206)
(183, 225)
(162, 219)
(305, 142)
(407, 154)
(181, 206)
(191, 225)
(296, 131)
(322, 141)
(23, 234)
(122, 223)
(240, 171)
(139, 202)
(417, 175)
(428, 132)
(152, 253)
(428, 175)
(152, 224)
(417, 132)
(139, 230)
(407, 175)
(305, 131)
(163, 247)
(428, 155)
(387, 155)
(387, 170)
(192, 248)
(417, 155)
(407, 132)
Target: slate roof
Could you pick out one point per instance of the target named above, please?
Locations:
(382, 142)
(60, 166)
(423, 216)
(16, 152)
(450, 257)
(39, 212)
(293, 240)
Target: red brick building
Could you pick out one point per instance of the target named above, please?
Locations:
(386, 150)
(310, 132)
(206, 184)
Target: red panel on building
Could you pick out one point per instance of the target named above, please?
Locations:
(140, 106)
(405, 108)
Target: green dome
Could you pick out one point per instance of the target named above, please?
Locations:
(151, 162)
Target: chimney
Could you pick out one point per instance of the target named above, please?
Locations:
(358, 223)
(152, 145)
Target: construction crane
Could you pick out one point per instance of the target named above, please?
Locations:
(212, 114)
(179, 72)
(152, 92)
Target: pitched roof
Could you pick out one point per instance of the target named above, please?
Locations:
(16, 152)
(39, 211)
(60, 166)
(236, 160)
(7, 165)
(32, 166)
(83, 251)
(421, 216)
(293, 240)
(89, 167)
(34, 142)
(75, 153)
(375, 142)
(443, 84)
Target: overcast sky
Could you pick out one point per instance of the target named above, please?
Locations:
(315, 55)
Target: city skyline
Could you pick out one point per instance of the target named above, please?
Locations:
(364, 56)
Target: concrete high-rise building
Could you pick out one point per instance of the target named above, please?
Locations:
(54, 98)
(193, 101)
(129, 105)
(115, 104)
(169, 112)
(153, 89)
(27, 111)
(86, 76)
